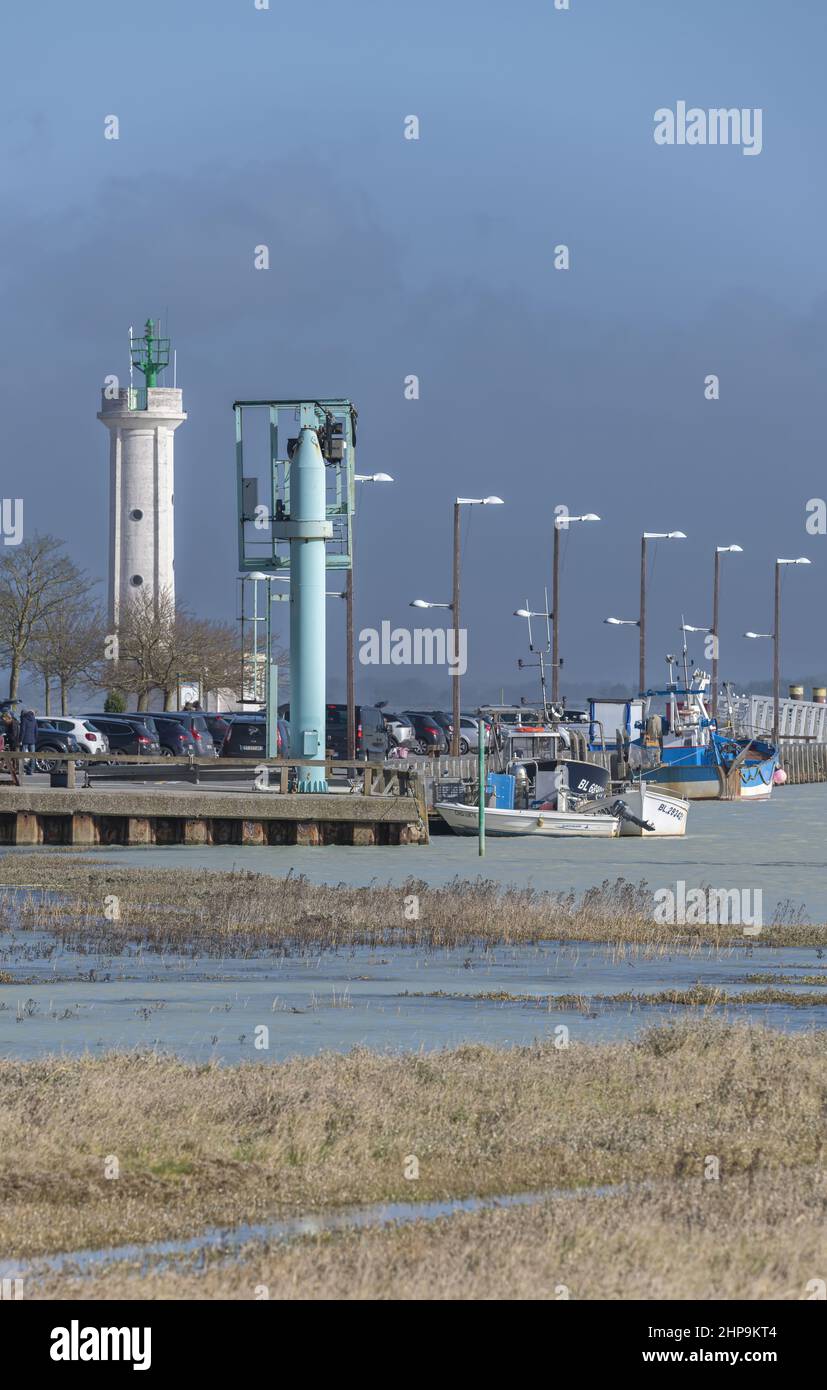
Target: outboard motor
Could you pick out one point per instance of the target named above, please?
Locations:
(619, 808)
(521, 785)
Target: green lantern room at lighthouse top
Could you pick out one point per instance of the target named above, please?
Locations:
(150, 354)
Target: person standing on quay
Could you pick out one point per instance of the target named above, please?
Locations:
(28, 737)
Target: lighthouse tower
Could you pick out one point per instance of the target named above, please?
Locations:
(141, 423)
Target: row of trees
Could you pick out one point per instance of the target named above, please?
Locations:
(52, 624)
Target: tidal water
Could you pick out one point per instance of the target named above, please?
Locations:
(778, 846)
(267, 1007)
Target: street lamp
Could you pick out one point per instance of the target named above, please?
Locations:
(454, 606)
(719, 551)
(561, 523)
(775, 638)
(256, 576)
(776, 664)
(622, 622)
(349, 624)
(649, 536)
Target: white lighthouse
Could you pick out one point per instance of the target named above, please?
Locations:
(141, 423)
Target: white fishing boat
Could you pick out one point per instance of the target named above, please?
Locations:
(645, 810)
(464, 820)
(661, 812)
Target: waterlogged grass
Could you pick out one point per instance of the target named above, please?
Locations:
(734, 1238)
(102, 908)
(766, 978)
(200, 1146)
(698, 996)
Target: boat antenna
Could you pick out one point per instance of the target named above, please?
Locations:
(685, 661)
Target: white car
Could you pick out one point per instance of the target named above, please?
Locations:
(399, 729)
(90, 739)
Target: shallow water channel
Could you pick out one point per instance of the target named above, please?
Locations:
(269, 1007)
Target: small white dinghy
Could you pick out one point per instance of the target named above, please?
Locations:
(645, 810)
(666, 813)
(464, 820)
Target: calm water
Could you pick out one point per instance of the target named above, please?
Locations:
(779, 846)
(62, 1000)
(387, 998)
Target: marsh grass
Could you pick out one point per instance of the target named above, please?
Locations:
(244, 913)
(769, 978)
(205, 1145)
(732, 1239)
(698, 995)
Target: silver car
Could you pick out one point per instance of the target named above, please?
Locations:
(469, 734)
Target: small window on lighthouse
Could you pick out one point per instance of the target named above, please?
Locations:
(136, 581)
(136, 514)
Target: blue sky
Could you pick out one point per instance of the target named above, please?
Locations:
(435, 257)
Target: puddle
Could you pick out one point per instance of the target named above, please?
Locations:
(165, 1254)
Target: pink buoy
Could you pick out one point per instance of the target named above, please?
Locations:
(779, 777)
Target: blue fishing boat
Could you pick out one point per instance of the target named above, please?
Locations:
(724, 769)
(683, 752)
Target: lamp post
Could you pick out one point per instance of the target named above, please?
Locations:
(461, 502)
(561, 523)
(716, 589)
(622, 622)
(256, 576)
(775, 637)
(349, 642)
(454, 606)
(649, 536)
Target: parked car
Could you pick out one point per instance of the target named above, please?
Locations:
(196, 726)
(247, 737)
(399, 729)
(430, 734)
(135, 734)
(90, 739)
(372, 742)
(52, 740)
(219, 728)
(446, 720)
(173, 737)
(469, 733)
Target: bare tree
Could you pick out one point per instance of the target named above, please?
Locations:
(67, 647)
(36, 578)
(140, 660)
(157, 644)
(206, 651)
